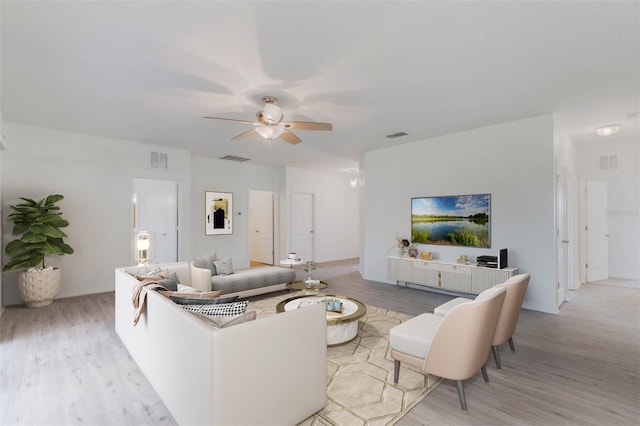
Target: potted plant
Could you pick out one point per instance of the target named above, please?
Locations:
(37, 223)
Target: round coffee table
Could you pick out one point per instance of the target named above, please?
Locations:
(301, 285)
(342, 327)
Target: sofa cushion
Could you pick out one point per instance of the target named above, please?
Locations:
(206, 262)
(219, 309)
(223, 266)
(223, 322)
(252, 278)
(171, 282)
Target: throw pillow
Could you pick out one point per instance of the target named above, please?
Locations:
(158, 275)
(170, 283)
(222, 322)
(219, 309)
(186, 289)
(206, 262)
(184, 300)
(224, 266)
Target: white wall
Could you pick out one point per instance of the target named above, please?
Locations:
(336, 213)
(511, 161)
(238, 178)
(95, 175)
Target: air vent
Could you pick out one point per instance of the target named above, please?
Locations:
(609, 162)
(234, 158)
(397, 135)
(159, 160)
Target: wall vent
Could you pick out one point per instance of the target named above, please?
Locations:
(234, 158)
(397, 135)
(159, 160)
(608, 162)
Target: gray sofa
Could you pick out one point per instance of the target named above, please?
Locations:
(242, 282)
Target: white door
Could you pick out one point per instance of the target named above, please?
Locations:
(302, 225)
(562, 240)
(261, 226)
(156, 210)
(597, 235)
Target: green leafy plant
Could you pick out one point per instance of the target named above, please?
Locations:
(38, 224)
(309, 266)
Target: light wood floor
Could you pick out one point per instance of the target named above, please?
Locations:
(64, 364)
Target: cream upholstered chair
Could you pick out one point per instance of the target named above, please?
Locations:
(516, 287)
(454, 346)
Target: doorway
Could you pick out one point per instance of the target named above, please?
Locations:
(155, 209)
(261, 227)
(562, 239)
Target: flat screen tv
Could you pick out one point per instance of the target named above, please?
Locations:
(455, 220)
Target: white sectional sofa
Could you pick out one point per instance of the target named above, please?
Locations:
(271, 371)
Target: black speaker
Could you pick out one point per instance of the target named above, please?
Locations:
(502, 259)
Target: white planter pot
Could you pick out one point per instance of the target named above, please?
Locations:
(38, 288)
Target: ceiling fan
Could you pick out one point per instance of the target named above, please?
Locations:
(269, 123)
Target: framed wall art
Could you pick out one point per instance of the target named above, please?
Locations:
(456, 220)
(218, 212)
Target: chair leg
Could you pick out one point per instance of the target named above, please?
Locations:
(396, 371)
(463, 399)
(496, 356)
(485, 376)
(511, 345)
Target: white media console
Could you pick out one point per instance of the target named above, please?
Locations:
(447, 276)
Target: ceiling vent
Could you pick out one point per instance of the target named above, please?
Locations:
(397, 135)
(608, 162)
(159, 160)
(234, 158)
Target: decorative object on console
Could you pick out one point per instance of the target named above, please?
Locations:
(463, 259)
(144, 245)
(459, 220)
(413, 252)
(402, 244)
(218, 211)
(426, 255)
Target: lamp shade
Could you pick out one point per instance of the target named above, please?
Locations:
(270, 132)
(143, 246)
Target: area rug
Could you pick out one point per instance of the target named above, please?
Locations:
(360, 386)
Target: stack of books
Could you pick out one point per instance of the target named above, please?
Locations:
(487, 261)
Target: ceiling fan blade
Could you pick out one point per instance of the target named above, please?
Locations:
(233, 119)
(290, 137)
(307, 125)
(244, 134)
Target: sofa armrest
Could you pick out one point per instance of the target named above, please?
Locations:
(200, 278)
(278, 363)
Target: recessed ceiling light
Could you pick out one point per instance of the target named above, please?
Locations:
(608, 130)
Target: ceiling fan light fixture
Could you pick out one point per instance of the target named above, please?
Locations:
(608, 130)
(272, 114)
(270, 132)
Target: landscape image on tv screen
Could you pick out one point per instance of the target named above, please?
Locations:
(456, 220)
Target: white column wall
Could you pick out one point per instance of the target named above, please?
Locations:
(511, 161)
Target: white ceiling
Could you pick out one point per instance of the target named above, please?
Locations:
(150, 70)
